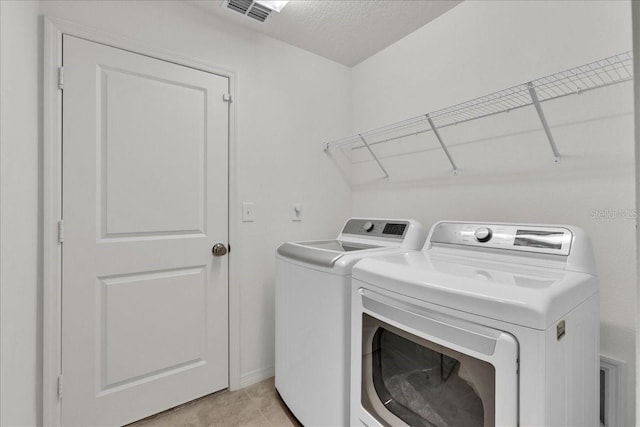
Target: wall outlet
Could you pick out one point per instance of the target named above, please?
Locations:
(296, 212)
(248, 212)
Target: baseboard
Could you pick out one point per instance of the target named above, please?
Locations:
(252, 377)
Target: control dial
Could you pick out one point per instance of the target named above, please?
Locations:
(367, 226)
(483, 234)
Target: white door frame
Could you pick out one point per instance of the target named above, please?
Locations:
(52, 200)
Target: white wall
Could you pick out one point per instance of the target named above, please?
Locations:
(20, 304)
(506, 167)
(636, 91)
(287, 101)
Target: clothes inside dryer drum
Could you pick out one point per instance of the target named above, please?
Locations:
(425, 384)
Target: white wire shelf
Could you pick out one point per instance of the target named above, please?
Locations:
(605, 72)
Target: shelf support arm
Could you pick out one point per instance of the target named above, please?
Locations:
(444, 147)
(386, 175)
(545, 125)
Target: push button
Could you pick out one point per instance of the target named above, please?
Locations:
(483, 234)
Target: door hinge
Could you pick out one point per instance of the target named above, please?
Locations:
(226, 97)
(59, 386)
(60, 78)
(60, 231)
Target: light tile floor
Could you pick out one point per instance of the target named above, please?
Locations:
(254, 406)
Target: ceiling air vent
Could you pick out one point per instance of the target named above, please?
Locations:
(249, 8)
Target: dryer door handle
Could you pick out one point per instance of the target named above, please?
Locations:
(449, 331)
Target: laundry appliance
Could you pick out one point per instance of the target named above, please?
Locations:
(313, 302)
(489, 325)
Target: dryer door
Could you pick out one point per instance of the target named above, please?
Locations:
(422, 368)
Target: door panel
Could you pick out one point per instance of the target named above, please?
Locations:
(144, 305)
(166, 161)
(182, 291)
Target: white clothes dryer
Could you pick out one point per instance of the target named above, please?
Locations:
(313, 301)
(489, 325)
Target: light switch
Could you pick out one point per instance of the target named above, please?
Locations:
(296, 212)
(248, 212)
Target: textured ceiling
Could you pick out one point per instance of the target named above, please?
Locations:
(344, 31)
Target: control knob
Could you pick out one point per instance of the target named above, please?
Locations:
(367, 226)
(483, 234)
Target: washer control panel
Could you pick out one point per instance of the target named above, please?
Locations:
(376, 228)
(515, 237)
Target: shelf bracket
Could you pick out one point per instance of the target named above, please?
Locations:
(444, 147)
(386, 175)
(545, 125)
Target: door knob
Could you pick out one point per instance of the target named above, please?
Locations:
(219, 249)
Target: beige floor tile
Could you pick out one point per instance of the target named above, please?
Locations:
(235, 412)
(279, 416)
(255, 406)
(266, 387)
(244, 418)
(266, 399)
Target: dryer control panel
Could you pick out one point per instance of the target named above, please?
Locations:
(376, 228)
(515, 237)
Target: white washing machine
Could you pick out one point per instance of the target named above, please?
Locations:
(313, 288)
(489, 325)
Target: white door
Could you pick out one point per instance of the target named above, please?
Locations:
(144, 300)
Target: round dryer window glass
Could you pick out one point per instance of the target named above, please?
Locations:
(421, 383)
